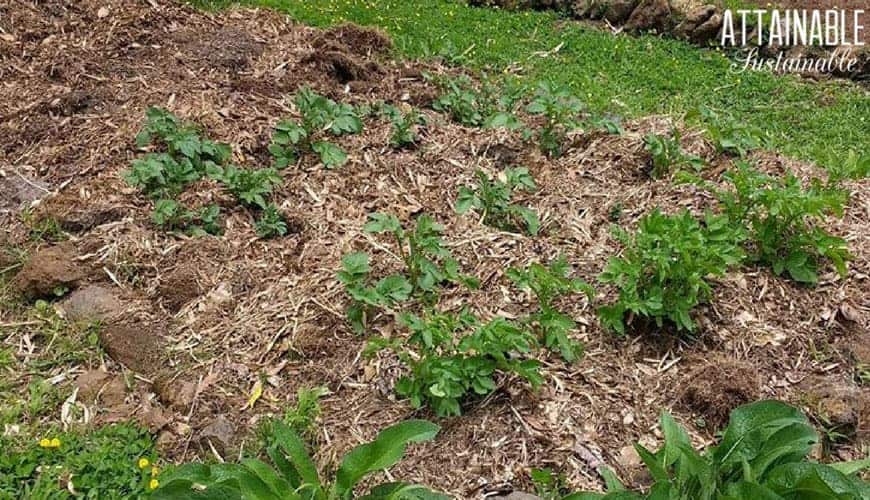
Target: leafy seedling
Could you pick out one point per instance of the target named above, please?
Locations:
(666, 155)
(491, 197)
(451, 357)
(549, 283)
(664, 270)
(561, 112)
(271, 223)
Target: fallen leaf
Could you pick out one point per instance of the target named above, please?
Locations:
(256, 392)
(103, 12)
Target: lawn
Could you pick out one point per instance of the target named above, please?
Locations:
(625, 75)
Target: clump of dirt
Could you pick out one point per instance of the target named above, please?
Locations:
(357, 40)
(718, 386)
(50, 272)
(136, 345)
(76, 214)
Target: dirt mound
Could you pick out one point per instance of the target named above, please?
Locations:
(50, 272)
(341, 66)
(357, 40)
(716, 387)
(229, 48)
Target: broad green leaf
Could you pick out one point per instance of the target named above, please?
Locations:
(387, 449)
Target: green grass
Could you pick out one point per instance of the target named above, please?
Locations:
(625, 75)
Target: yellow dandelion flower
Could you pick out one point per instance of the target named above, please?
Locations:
(154, 471)
(153, 484)
(45, 443)
(143, 462)
(55, 443)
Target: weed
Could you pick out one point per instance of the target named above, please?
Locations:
(548, 484)
(666, 154)
(301, 418)
(294, 476)
(762, 453)
(97, 464)
(781, 217)
(549, 283)
(561, 110)
(492, 197)
(43, 228)
(271, 223)
(664, 270)
(452, 356)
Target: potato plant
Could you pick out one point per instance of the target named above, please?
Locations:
(427, 264)
(782, 218)
(762, 454)
(320, 115)
(490, 104)
(664, 270)
(172, 216)
(549, 283)
(293, 474)
(561, 111)
(491, 197)
(453, 357)
(666, 155)
(271, 223)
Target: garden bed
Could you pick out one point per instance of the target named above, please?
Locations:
(202, 320)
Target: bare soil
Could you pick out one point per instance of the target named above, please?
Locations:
(211, 316)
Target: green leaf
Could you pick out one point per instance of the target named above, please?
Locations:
(288, 441)
(382, 453)
(330, 155)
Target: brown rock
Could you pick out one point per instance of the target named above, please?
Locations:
(218, 434)
(618, 11)
(707, 31)
(92, 302)
(650, 15)
(136, 346)
(49, 272)
(16, 190)
(841, 407)
(99, 386)
(176, 394)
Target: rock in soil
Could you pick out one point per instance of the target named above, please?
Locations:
(843, 408)
(218, 434)
(92, 302)
(717, 387)
(103, 387)
(618, 11)
(650, 15)
(50, 272)
(134, 345)
(17, 189)
(174, 393)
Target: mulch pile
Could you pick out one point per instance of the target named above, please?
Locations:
(219, 313)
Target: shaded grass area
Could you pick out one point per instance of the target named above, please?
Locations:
(625, 75)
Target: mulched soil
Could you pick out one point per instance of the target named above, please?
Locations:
(77, 77)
